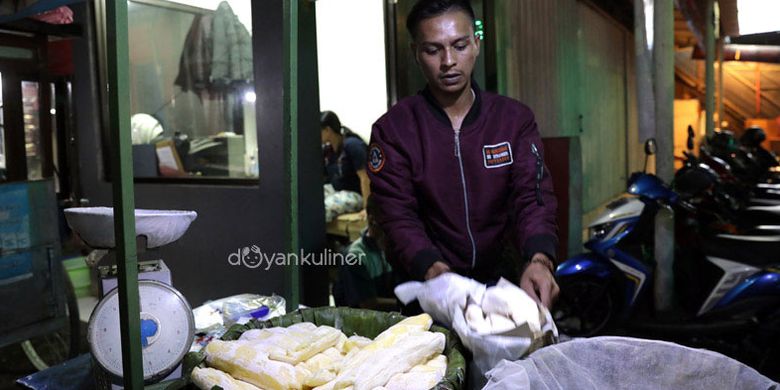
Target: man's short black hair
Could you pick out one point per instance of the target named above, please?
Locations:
(426, 9)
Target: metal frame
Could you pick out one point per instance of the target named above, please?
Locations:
(290, 39)
(116, 55)
(123, 194)
(391, 59)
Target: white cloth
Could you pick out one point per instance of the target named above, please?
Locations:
(441, 296)
(618, 363)
(445, 298)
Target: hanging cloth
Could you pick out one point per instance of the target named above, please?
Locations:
(231, 59)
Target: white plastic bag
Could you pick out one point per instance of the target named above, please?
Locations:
(445, 298)
(213, 318)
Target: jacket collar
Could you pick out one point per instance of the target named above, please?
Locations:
(441, 115)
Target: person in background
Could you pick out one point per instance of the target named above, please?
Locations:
(458, 173)
(347, 186)
(368, 284)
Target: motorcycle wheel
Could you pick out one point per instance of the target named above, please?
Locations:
(586, 307)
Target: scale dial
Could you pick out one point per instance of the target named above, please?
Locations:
(167, 330)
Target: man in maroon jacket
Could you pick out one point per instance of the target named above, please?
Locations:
(457, 172)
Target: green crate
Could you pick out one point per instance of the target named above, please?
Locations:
(78, 272)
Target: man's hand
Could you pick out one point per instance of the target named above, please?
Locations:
(436, 269)
(538, 281)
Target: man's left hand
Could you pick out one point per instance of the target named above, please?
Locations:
(538, 281)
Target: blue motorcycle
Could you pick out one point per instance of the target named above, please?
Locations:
(727, 286)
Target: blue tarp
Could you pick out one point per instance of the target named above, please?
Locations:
(74, 374)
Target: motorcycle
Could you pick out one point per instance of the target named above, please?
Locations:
(727, 195)
(752, 168)
(726, 285)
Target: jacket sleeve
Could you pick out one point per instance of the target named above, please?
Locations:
(532, 194)
(390, 172)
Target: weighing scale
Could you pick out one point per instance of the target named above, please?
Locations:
(167, 323)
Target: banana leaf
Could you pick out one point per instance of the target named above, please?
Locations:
(366, 323)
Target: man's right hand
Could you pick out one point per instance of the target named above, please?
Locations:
(436, 269)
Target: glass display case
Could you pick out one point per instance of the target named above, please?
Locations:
(192, 97)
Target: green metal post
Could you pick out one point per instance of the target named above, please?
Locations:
(709, 67)
(291, 121)
(721, 88)
(663, 60)
(122, 183)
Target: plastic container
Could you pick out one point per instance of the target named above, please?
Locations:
(78, 272)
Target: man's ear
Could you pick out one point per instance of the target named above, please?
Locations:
(477, 42)
(413, 48)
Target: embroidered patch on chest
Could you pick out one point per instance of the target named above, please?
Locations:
(498, 155)
(376, 158)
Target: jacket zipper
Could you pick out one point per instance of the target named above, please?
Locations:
(465, 199)
(539, 174)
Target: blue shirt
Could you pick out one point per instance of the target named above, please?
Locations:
(342, 169)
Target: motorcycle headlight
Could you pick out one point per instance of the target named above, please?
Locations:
(599, 231)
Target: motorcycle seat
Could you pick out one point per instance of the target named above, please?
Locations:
(766, 209)
(763, 202)
(768, 186)
(765, 230)
(758, 251)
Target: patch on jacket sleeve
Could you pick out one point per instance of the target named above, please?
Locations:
(497, 155)
(376, 158)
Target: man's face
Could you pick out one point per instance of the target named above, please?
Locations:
(446, 49)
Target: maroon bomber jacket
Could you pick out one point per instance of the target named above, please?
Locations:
(455, 195)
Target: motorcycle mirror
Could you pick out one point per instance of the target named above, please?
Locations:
(650, 146)
(691, 137)
(649, 150)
